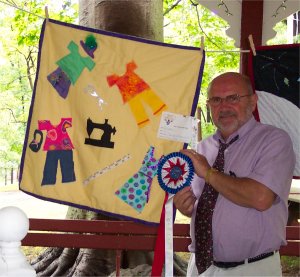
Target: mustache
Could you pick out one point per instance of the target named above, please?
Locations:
(227, 113)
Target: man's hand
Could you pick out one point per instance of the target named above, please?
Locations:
(200, 163)
(184, 201)
(242, 191)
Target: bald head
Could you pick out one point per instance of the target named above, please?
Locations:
(233, 77)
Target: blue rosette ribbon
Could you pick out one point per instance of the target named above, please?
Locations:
(175, 171)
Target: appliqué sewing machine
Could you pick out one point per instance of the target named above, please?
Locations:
(105, 140)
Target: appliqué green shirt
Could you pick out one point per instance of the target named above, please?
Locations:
(73, 64)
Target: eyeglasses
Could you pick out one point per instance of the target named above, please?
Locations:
(229, 99)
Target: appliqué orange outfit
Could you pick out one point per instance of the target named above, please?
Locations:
(135, 90)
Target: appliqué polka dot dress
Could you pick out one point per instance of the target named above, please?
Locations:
(135, 191)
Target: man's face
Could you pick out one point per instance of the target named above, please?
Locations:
(229, 117)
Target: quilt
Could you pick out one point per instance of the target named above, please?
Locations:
(91, 140)
(274, 72)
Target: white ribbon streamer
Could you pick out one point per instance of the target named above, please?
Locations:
(169, 254)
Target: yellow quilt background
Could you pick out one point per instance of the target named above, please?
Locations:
(171, 72)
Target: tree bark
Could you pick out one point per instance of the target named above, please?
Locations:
(141, 18)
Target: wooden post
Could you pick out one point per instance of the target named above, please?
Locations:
(251, 23)
(11, 176)
(199, 124)
(118, 262)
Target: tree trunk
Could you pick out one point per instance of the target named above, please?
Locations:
(141, 18)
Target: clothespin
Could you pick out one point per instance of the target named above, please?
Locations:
(252, 44)
(46, 14)
(202, 44)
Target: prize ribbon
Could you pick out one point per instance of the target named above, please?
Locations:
(175, 171)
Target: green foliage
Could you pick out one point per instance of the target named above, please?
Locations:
(185, 22)
(185, 25)
(208, 129)
(26, 27)
(281, 37)
(18, 58)
(28, 24)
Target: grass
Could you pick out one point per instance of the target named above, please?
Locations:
(32, 252)
(290, 266)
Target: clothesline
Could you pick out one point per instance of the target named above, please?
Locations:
(207, 51)
(18, 8)
(227, 51)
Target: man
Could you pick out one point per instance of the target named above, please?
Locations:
(252, 186)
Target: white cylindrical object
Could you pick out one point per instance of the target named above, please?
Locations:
(14, 225)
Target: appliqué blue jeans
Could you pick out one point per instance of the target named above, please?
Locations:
(66, 164)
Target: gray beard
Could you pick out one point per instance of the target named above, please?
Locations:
(236, 124)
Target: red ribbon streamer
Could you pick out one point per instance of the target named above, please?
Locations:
(159, 251)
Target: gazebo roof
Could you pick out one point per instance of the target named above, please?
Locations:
(256, 17)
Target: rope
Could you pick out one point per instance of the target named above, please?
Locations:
(229, 51)
(207, 51)
(18, 8)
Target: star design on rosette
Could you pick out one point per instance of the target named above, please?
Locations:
(175, 166)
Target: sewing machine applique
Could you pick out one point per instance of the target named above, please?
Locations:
(105, 140)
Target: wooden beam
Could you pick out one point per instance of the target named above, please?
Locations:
(251, 23)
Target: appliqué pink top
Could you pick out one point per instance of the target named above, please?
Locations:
(57, 137)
